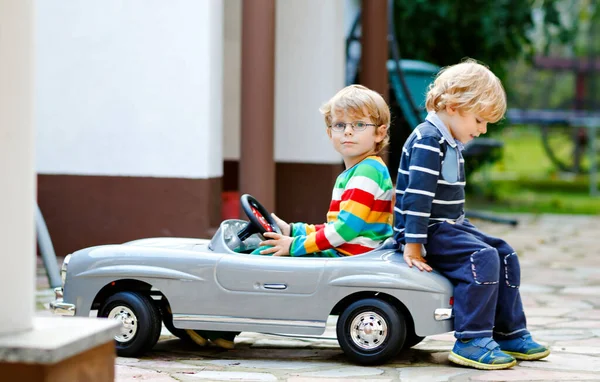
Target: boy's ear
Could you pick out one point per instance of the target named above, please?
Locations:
(381, 131)
(328, 132)
(451, 109)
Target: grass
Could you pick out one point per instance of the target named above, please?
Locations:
(525, 180)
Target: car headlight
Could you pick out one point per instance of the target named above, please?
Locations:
(63, 269)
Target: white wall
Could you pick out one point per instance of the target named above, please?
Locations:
(310, 69)
(130, 87)
(310, 64)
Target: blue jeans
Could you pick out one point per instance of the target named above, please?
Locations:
(486, 276)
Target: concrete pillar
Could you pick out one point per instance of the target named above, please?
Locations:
(257, 168)
(17, 193)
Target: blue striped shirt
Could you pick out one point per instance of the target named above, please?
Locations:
(431, 181)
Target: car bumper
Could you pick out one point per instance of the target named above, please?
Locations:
(442, 314)
(59, 307)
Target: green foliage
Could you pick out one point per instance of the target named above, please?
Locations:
(496, 32)
(524, 180)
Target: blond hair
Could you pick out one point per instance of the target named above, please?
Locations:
(469, 87)
(355, 100)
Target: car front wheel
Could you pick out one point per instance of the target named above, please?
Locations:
(371, 331)
(140, 318)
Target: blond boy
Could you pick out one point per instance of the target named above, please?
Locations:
(489, 321)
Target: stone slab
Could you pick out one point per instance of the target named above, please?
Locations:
(54, 339)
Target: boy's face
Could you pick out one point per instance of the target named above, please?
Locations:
(465, 126)
(354, 145)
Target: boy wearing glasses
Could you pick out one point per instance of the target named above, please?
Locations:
(489, 322)
(360, 214)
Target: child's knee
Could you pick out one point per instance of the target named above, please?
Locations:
(512, 270)
(485, 266)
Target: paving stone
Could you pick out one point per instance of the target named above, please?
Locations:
(581, 324)
(536, 289)
(562, 334)
(226, 376)
(273, 365)
(588, 350)
(518, 374)
(548, 312)
(565, 361)
(544, 321)
(348, 371)
(591, 341)
(431, 374)
(582, 290)
(127, 373)
(320, 379)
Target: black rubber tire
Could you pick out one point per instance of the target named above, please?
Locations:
(392, 342)
(412, 340)
(147, 320)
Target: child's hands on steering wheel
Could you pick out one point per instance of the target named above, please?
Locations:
(279, 245)
(283, 226)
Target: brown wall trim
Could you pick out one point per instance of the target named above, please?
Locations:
(303, 190)
(82, 211)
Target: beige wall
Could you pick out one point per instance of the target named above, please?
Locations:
(310, 62)
(17, 193)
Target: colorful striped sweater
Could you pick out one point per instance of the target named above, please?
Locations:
(360, 214)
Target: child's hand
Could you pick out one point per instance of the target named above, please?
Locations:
(283, 226)
(412, 256)
(280, 244)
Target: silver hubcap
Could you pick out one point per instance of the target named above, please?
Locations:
(368, 330)
(129, 321)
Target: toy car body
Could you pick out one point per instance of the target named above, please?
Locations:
(194, 284)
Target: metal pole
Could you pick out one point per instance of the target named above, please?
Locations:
(47, 250)
(592, 126)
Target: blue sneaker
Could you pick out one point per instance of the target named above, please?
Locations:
(524, 348)
(480, 353)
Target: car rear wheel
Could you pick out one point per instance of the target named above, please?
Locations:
(140, 318)
(412, 340)
(371, 331)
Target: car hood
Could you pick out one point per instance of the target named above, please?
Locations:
(169, 242)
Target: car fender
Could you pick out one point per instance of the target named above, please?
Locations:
(387, 282)
(139, 272)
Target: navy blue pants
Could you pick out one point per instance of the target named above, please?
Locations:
(486, 276)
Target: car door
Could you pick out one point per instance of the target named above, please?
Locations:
(268, 287)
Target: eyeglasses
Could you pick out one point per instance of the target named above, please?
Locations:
(356, 126)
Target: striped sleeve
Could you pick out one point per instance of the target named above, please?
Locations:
(303, 229)
(358, 201)
(423, 174)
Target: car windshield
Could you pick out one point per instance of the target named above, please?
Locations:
(227, 234)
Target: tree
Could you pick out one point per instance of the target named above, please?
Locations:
(496, 32)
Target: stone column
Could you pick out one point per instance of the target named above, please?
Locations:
(17, 173)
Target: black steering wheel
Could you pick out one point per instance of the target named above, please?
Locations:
(261, 220)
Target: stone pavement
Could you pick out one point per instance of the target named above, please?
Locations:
(560, 286)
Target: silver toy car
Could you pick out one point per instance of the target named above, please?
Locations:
(382, 305)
